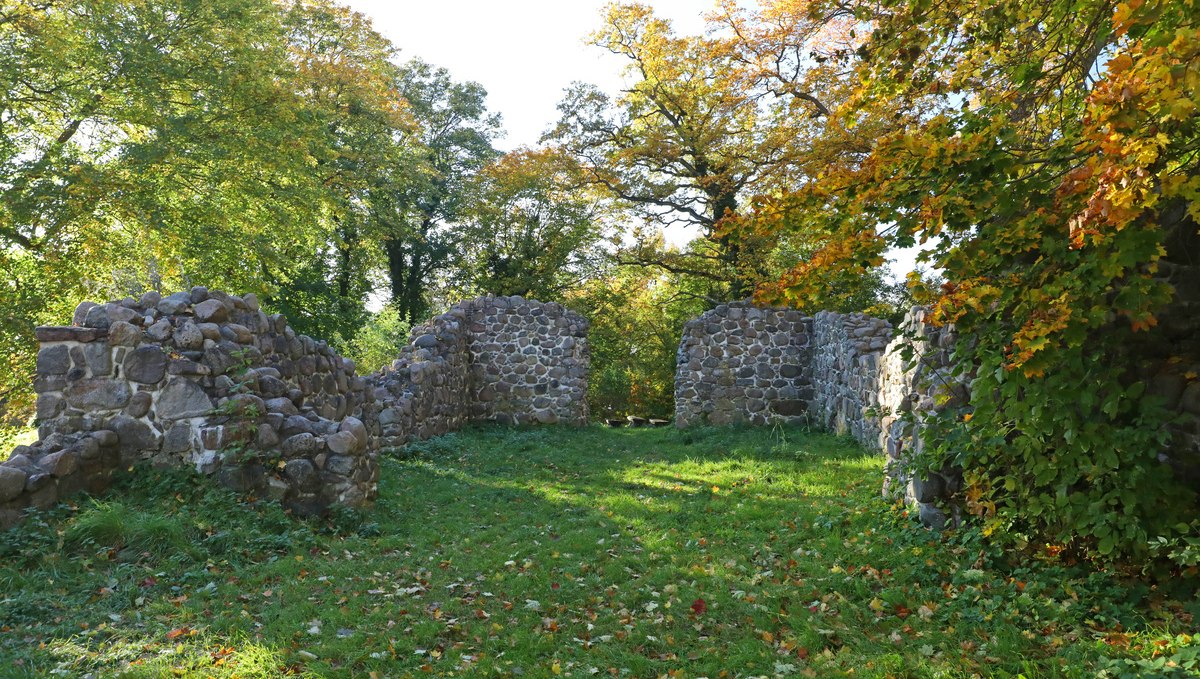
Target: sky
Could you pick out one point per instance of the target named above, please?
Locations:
(524, 53)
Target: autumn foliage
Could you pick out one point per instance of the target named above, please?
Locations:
(1044, 155)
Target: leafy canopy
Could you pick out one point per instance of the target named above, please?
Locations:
(1045, 158)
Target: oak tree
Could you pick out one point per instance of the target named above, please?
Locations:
(687, 142)
(1048, 162)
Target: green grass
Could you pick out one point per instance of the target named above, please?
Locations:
(131, 533)
(559, 552)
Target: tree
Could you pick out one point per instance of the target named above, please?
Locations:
(637, 319)
(1048, 158)
(688, 142)
(247, 144)
(141, 143)
(531, 229)
(378, 342)
(364, 148)
(455, 137)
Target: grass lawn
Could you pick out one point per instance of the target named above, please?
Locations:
(559, 552)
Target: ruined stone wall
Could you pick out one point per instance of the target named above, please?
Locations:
(199, 378)
(208, 380)
(529, 362)
(502, 359)
(739, 363)
(847, 352)
(425, 391)
(847, 373)
(916, 380)
(854, 375)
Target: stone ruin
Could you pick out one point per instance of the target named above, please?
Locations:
(739, 363)
(845, 373)
(742, 364)
(855, 375)
(500, 359)
(209, 380)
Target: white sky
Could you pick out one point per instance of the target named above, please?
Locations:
(524, 53)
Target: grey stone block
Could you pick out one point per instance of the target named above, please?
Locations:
(146, 364)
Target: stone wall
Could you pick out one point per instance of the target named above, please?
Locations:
(209, 380)
(425, 391)
(855, 375)
(529, 362)
(198, 378)
(740, 363)
(847, 351)
(916, 380)
(502, 359)
(848, 373)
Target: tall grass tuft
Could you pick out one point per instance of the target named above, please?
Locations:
(112, 525)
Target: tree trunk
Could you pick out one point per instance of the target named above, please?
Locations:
(398, 278)
(409, 264)
(725, 205)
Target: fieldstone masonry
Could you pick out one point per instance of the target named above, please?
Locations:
(208, 380)
(425, 389)
(740, 363)
(198, 378)
(530, 362)
(846, 361)
(853, 374)
(502, 359)
(842, 372)
(916, 379)
(878, 386)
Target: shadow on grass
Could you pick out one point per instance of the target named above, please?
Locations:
(533, 552)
